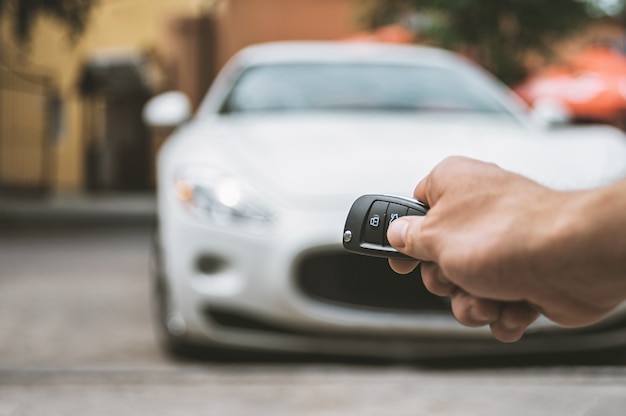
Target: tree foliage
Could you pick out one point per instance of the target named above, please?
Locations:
(72, 14)
(498, 33)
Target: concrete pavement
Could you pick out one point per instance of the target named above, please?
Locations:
(76, 339)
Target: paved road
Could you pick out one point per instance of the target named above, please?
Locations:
(75, 339)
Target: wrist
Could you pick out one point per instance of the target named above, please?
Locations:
(583, 248)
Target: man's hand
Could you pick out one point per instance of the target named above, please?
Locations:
(498, 245)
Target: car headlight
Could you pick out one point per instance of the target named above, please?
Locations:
(220, 197)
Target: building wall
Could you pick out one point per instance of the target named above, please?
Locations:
(120, 26)
(127, 24)
(244, 22)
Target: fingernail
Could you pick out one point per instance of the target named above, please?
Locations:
(396, 232)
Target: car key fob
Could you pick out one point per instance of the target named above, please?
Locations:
(365, 231)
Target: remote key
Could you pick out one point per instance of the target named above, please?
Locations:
(365, 231)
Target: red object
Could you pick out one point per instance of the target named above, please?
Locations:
(591, 85)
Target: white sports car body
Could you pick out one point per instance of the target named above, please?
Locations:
(253, 193)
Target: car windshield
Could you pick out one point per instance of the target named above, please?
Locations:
(357, 87)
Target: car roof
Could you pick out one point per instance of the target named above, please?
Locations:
(342, 51)
(335, 52)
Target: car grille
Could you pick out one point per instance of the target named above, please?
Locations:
(364, 282)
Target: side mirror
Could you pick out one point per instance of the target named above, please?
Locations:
(550, 113)
(167, 110)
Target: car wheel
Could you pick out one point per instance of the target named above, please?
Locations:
(168, 326)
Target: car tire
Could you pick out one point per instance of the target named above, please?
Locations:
(164, 324)
(176, 345)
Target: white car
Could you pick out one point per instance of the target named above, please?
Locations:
(254, 189)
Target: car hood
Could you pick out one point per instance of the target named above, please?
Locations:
(321, 161)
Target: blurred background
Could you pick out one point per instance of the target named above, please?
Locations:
(75, 154)
(75, 74)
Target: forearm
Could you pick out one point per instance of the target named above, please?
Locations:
(586, 252)
(605, 233)
(504, 247)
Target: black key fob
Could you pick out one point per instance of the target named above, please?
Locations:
(365, 231)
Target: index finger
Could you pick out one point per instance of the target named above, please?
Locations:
(420, 193)
(430, 189)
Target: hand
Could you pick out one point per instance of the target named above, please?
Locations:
(494, 242)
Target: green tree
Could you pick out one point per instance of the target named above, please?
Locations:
(72, 14)
(498, 33)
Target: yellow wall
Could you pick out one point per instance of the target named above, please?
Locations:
(143, 25)
(113, 24)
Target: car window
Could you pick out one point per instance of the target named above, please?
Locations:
(357, 87)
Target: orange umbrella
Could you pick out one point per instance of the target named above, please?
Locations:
(591, 85)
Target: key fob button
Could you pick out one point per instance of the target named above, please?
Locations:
(415, 212)
(394, 212)
(375, 224)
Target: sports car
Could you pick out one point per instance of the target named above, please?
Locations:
(254, 188)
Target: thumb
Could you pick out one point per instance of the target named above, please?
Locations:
(404, 235)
